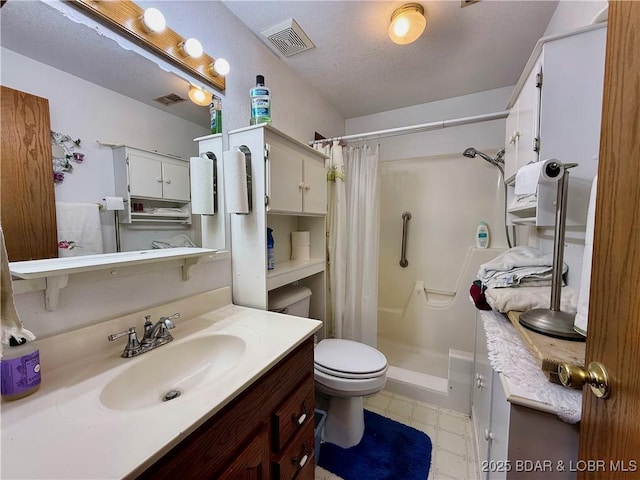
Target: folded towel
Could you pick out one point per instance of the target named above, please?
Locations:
(513, 266)
(79, 229)
(10, 322)
(521, 299)
(582, 314)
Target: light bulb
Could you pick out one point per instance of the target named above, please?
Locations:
(200, 96)
(191, 47)
(407, 23)
(221, 67)
(153, 20)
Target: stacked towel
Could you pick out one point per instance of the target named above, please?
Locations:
(9, 318)
(522, 299)
(79, 229)
(518, 266)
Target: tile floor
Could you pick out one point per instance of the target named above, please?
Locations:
(451, 434)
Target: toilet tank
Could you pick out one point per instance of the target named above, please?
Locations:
(291, 300)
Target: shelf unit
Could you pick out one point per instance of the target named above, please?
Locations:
(271, 151)
(154, 180)
(555, 112)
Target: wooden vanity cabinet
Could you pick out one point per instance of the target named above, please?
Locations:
(267, 432)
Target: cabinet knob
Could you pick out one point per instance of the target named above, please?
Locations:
(158, 179)
(168, 180)
(301, 185)
(488, 435)
(307, 187)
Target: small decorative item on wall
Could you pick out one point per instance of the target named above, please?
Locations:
(63, 153)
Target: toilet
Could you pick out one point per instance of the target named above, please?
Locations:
(344, 370)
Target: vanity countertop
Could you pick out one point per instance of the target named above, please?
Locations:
(522, 379)
(64, 430)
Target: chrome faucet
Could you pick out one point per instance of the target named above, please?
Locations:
(154, 336)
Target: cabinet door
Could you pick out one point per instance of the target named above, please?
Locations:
(145, 176)
(285, 179)
(481, 407)
(28, 197)
(498, 432)
(529, 118)
(176, 181)
(315, 187)
(511, 143)
(252, 463)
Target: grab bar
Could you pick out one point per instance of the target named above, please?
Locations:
(406, 216)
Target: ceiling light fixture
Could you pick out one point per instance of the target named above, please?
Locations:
(200, 96)
(153, 20)
(191, 47)
(407, 23)
(220, 67)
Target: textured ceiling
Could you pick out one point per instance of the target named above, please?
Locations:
(360, 71)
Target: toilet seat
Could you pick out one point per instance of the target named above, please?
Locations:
(348, 359)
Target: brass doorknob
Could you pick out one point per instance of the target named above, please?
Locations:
(595, 375)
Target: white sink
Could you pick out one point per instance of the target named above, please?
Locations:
(172, 370)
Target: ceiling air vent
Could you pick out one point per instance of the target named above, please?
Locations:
(170, 99)
(287, 38)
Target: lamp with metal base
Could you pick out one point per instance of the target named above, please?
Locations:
(552, 321)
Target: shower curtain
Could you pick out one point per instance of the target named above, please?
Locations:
(353, 227)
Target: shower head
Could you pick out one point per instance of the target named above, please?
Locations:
(498, 161)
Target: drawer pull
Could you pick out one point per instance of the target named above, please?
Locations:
(299, 419)
(305, 456)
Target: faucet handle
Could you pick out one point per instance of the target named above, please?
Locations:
(133, 345)
(167, 320)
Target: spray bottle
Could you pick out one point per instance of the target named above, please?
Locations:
(270, 246)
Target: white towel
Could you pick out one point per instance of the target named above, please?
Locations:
(79, 229)
(9, 318)
(582, 315)
(522, 299)
(518, 264)
(527, 179)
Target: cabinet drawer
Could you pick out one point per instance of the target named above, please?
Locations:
(298, 459)
(294, 414)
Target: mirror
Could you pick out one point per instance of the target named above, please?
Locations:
(104, 91)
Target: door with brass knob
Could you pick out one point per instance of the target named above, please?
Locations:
(596, 376)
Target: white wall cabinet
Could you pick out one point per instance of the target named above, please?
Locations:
(514, 441)
(296, 180)
(555, 112)
(279, 164)
(159, 183)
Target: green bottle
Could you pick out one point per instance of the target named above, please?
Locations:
(260, 102)
(215, 110)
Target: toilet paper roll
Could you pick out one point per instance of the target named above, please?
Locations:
(235, 182)
(300, 253)
(201, 172)
(300, 239)
(551, 171)
(528, 177)
(114, 203)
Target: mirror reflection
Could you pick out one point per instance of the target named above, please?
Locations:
(99, 100)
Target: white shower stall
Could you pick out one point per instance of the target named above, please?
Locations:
(426, 320)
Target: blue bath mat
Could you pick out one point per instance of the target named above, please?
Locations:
(388, 450)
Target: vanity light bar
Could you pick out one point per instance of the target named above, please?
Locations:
(124, 16)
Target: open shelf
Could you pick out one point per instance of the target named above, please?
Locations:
(293, 270)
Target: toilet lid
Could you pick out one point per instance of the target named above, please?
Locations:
(348, 359)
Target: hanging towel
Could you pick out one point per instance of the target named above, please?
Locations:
(517, 265)
(79, 229)
(582, 315)
(9, 318)
(522, 299)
